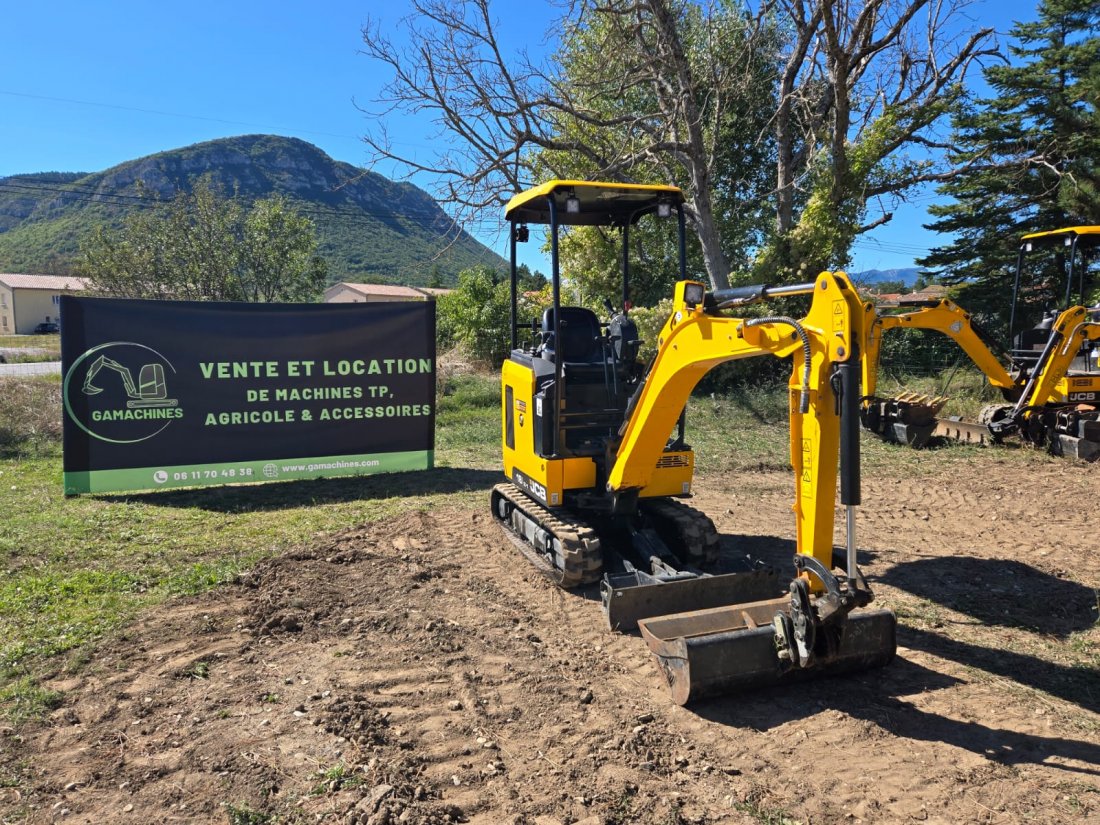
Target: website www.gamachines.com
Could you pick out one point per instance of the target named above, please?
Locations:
(331, 465)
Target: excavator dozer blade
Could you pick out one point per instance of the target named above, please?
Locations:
(731, 649)
(630, 597)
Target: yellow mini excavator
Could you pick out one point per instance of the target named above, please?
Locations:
(1052, 379)
(597, 462)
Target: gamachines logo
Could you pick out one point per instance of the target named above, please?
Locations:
(119, 392)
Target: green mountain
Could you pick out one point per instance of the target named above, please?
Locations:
(369, 228)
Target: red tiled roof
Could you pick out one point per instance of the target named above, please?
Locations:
(54, 282)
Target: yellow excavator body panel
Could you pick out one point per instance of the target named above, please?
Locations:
(549, 479)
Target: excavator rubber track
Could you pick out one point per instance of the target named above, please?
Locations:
(690, 533)
(570, 551)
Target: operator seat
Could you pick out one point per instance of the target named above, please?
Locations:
(580, 336)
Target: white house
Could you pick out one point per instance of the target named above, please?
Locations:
(28, 300)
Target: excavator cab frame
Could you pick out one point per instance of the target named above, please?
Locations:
(561, 203)
(1074, 246)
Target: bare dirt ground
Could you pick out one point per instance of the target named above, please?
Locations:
(418, 670)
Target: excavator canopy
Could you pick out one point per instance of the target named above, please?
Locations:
(1085, 236)
(588, 203)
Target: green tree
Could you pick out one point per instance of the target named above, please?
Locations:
(278, 255)
(476, 315)
(201, 246)
(1030, 157)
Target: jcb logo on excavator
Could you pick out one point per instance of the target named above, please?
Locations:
(103, 398)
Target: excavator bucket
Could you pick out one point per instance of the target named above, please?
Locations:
(714, 635)
(730, 649)
(908, 418)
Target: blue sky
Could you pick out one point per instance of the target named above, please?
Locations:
(84, 86)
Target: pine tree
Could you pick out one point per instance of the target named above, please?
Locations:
(1033, 153)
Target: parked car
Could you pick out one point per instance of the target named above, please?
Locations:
(47, 328)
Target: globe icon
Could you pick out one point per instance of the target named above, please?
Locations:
(271, 471)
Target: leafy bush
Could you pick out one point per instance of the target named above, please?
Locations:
(476, 316)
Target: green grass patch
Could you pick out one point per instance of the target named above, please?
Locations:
(244, 815)
(336, 778)
(29, 349)
(467, 421)
(23, 698)
(33, 357)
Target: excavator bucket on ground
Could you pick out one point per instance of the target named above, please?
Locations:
(908, 418)
(740, 634)
(730, 649)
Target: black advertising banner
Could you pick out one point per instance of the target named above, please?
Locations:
(162, 394)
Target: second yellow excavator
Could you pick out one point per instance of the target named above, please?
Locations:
(597, 462)
(1051, 384)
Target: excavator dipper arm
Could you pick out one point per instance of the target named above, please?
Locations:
(103, 361)
(948, 318)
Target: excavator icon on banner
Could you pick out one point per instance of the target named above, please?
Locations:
(150, 391)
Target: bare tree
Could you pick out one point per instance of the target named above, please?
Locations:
(502, 115)
(855, 83)
(861, 83)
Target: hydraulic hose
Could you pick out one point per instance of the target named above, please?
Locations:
(804, 398)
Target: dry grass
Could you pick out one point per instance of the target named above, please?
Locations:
(30, 416)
